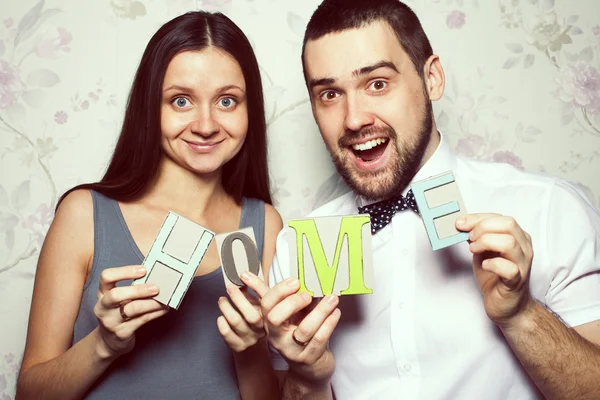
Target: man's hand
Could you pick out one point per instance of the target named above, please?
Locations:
(502, 255)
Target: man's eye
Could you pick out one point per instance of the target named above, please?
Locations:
(329, 95)
(378, 86)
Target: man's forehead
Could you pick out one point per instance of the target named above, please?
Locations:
(343, 52)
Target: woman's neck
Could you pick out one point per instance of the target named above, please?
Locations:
(186, 192)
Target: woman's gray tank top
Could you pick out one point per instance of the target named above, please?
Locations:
(178, 356)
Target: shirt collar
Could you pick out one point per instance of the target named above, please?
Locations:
(442, 160)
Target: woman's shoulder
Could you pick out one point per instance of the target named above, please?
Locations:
(76, 206)
(273, 222)
(272, 216)
(71, 234)
(74, 220)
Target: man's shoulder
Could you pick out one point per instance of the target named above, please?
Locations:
(487, 184)
(504, 188)
(499, 175)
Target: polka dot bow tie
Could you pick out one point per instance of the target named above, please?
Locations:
(382, 212)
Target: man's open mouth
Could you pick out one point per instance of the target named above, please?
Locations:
(371, 150)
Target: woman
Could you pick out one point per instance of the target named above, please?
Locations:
(193, 141)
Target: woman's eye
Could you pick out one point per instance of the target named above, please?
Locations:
(226, 102)
(181, 102)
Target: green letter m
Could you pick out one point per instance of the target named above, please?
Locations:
(351, 228)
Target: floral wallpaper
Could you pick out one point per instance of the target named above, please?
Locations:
(523, 87)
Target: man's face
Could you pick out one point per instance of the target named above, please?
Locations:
(371, 106)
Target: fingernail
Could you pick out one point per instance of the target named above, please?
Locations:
(153, 289)
(246, 276)
(332, 299)
(293, 282)
(140, 270)
(230, 288)
(305, 296)
(461, 221)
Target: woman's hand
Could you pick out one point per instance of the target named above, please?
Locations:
(123, 310)
(244, 327)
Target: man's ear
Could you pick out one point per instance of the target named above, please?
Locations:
(434, 78)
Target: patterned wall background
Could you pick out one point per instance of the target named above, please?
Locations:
(523, 88)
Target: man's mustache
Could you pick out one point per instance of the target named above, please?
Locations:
(350, 136)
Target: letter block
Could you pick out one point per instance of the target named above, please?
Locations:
(332, 254)
(238, 253)
(440, 204)
(174, 257)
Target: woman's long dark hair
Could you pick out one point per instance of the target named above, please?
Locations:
(138, 152)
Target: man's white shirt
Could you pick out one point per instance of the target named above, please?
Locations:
(423, 333)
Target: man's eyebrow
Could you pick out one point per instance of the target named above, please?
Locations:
(321, 82)
(371, 68)
(361, 71)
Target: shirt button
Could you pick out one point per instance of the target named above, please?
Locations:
(401, 305)
(407, 367)
(404, 252)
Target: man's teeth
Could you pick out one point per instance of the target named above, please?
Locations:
(369, 145)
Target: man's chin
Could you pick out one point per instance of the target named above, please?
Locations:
(372, 186)
(374, 193)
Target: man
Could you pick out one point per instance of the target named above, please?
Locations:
(483, 319)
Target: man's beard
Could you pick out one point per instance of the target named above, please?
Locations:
(405, 162)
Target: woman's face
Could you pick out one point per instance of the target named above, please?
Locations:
(204, 115)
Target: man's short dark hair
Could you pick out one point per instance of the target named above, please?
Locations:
(339, 15)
